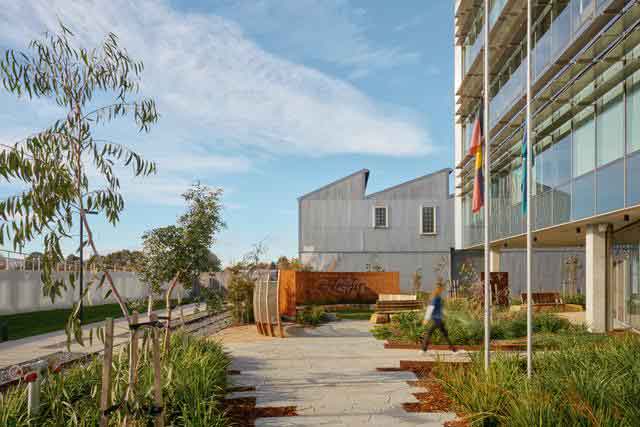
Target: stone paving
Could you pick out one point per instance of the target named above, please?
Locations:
(329, 373)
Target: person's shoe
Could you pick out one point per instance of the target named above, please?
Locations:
(454, 349)
(423, 352)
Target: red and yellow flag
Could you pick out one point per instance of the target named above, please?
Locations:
(477, 143)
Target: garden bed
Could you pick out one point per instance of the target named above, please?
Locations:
(465, 325)
(505, 345)
(578, 384)
(193, 396)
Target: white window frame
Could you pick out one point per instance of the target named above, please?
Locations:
(435, 220)
(386, 216)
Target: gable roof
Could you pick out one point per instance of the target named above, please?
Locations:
(346, 178)
(395, 187)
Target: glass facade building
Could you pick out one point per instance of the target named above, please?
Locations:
(586, 122)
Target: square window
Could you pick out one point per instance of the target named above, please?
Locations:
(428, 220)
(380, 217)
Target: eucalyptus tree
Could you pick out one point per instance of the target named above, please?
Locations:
(179, 253)
(55, 167)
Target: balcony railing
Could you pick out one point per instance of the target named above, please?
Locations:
(563, 31)
(496, 10)
(472, 52)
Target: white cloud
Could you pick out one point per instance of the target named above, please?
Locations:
(198, 161)
(331, 31)
(210, 79)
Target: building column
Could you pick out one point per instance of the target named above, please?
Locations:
(494, 259)
(596, 277)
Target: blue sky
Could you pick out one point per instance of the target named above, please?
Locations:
(268, 99)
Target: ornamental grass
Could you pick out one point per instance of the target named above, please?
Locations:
(194, 381)
(580, 384)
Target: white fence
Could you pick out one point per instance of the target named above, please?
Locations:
(21, 291)
(17, 261)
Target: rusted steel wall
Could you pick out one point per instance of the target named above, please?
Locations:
(311, 287)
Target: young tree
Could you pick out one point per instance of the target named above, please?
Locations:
(242, 283)
(283, 263)
(179, 253)
(214, 263)
(55, 165)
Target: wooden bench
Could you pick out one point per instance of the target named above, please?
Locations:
(543, 301)
(393, 304)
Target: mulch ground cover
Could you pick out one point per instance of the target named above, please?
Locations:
(242, 411)
(435, 399)
(240, 389)
(506, 345)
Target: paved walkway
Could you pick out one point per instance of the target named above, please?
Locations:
(54, 344)
(330, 374)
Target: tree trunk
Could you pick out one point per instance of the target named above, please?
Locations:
(167, 332)
(114, 290)
(150, 304)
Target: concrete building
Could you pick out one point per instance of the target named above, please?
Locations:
(586, 128)
(404, 228)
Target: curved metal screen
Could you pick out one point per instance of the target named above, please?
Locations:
(265, 304)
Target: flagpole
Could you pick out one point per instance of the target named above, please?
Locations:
(528, 170)
(487, 189)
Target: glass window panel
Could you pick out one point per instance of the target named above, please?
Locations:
(610, 125)
(548, 170)
(381, 217)
(516, 185)
(582, 12)
(633, 114)
(584, 147)
(561, 31)
(633, 180)
(428, 220)
(543, 204)
(610, 187)
(583, 196)
(562, 159)
(541, 166)
(562, 204)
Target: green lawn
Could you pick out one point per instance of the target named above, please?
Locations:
(24, 325)
(354, 315)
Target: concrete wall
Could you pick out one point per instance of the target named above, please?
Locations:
(21, 291)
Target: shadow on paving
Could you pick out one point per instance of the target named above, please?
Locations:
(325, 331)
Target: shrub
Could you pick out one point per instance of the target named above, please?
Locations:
(578, 299)
(547, 322)
(240, 296)
(382, 332)
(310, 316)
(214, 301)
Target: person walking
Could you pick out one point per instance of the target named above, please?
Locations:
(434, 316)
